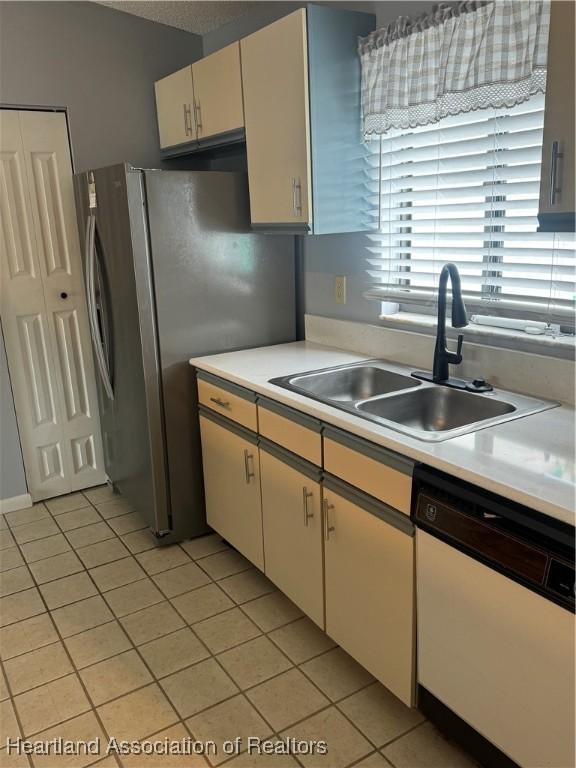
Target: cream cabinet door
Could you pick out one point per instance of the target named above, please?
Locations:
(174, 108)
(276, 112)
(559, 115)
(369, 572)
(43, 307)
(292, 523)
(219, 107)
(232, 489)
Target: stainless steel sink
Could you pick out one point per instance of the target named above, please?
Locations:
(387, 394)
(353, 383)
(436, 409)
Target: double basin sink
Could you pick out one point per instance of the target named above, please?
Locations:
(389, 395)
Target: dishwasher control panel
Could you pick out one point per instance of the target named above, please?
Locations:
(508, 538)
(561, 579)
(481, 535)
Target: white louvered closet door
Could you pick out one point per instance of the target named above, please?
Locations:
(43, 308)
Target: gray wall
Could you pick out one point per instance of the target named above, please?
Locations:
(328, 255)
(100, 64)
(388, 11)
(12, 480)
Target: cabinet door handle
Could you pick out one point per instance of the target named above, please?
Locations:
(328, 529)
(198, 117)
(192, 130)
(296, 197)
(189, 130)
(187, 120)
(306, 494)
(220, 402)
(248, 457)
(555, 155)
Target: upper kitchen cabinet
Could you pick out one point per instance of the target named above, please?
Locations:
(275, 79)
(174, 107)
(557, 203)
(219, 110)
(301, 82)
(201, 105)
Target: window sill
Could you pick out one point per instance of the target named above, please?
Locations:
(552, 346)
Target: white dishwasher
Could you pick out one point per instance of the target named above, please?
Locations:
(496, 632)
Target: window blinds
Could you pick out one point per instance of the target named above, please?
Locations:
(466, 190)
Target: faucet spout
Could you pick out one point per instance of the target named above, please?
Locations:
(442, 356)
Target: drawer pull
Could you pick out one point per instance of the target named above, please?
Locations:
(220, 402)
(328, 529)
(306, 494)
(248, 457)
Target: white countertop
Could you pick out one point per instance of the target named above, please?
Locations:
(529, 460)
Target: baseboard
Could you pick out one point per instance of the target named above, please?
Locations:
(15, 503)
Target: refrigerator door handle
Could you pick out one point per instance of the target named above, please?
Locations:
(91, 301)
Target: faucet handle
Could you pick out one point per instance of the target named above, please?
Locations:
(460, 342)
(458, 357)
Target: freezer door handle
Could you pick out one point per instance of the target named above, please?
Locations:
(92, 311)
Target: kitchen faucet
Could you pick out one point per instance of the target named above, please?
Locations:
(443, 357)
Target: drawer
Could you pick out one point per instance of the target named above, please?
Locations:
(228, 399)
(291, 429)
(374, 470)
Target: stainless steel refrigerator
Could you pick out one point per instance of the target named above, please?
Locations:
(172, 271)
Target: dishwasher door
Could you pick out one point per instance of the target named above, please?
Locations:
(497, 654)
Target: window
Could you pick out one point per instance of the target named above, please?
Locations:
(466, 190)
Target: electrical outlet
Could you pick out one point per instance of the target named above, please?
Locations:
(340, 289)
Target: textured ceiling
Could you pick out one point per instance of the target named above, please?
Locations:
(198, 17)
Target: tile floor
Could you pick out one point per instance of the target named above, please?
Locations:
(103, 634)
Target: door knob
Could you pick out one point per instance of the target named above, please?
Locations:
(63, 295)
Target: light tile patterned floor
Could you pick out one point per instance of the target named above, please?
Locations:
(103, 634)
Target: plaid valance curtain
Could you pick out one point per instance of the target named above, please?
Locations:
(462, 57)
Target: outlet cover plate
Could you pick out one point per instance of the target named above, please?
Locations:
(340, 289)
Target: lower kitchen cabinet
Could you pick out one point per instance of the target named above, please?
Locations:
(292, 524)
(345, 558)
(232, 486)
(369, 573)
